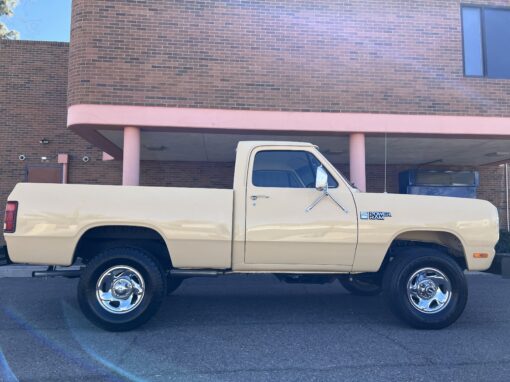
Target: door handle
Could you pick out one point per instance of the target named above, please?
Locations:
(255, 197)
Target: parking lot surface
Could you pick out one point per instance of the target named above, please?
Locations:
(251, 328)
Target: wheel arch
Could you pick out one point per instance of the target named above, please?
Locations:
(97, 238)
(444, 241)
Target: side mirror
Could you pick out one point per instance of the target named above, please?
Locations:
(321, 184)
(321, 179)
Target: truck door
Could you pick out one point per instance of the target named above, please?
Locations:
(279, 230)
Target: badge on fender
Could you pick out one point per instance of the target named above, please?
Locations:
(374, 215)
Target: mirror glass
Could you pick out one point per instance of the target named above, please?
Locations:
(321, 179)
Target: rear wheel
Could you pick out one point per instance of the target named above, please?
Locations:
(360, 286)
(425, 288)
(121, 288)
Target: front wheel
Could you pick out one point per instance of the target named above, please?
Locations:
(425, 288)
(121, 288)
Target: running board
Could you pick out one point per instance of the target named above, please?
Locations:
(185, 273)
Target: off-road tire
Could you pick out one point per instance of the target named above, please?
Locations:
(155, 288)
(398, 274)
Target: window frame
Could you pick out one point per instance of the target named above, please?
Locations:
(482, 9)
(251, 168)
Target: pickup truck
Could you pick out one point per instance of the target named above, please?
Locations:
(290, 213)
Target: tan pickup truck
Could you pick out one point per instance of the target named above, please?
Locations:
(290, 213)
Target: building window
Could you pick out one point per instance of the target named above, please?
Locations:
(485, 36)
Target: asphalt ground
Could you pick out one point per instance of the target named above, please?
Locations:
(251, 328)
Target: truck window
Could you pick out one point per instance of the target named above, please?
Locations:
(286, 169)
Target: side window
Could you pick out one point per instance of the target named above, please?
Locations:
(286, 169)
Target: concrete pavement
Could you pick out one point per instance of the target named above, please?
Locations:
(251, 328)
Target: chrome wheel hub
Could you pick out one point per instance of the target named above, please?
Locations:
(429, 290)
(120, 289)
(426, 289)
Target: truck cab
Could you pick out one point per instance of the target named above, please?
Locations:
(274, 193)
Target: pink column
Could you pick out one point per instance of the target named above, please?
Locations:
(131, 157)
(357, 160)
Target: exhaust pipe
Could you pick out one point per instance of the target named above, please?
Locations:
(185, 273)
(52, 272)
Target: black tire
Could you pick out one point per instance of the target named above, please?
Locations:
(153, 278)
(172, 284)
(400, 272)
(360, 287)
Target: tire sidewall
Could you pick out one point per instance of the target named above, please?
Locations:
(153, 279)
(396, 290)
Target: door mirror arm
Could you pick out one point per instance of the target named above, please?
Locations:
(321, 184)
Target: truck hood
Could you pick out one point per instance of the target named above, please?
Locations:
(475, 222)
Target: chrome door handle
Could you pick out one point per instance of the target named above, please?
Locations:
(255, 197)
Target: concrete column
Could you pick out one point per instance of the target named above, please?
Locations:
(357, 160)
(131, 157)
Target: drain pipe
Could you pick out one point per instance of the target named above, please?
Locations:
(63, 159)
(507, 206)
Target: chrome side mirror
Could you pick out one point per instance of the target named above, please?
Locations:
(321, 179)
(321, 184)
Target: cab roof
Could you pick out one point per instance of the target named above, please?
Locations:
(248, 145)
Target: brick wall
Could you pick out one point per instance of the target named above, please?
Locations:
(376, 56)
(187, 174)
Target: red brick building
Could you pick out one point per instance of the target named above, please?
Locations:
(168, 88)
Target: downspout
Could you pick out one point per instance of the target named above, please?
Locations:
(63, 159)
(507, 206)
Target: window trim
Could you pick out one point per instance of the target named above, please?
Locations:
(482, 9)
(303, 149)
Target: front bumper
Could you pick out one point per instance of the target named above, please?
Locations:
(4, 256)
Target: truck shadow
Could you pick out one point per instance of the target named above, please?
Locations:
(264, 301)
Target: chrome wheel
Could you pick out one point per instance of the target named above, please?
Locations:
(120, 289)
(429, 290)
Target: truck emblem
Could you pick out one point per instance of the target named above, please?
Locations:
(374, 215)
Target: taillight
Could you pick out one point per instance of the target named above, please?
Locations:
(11, 210)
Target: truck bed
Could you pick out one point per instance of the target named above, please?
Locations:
(195, 223)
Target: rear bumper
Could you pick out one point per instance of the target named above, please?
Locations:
(4, 256)
(500, 265)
